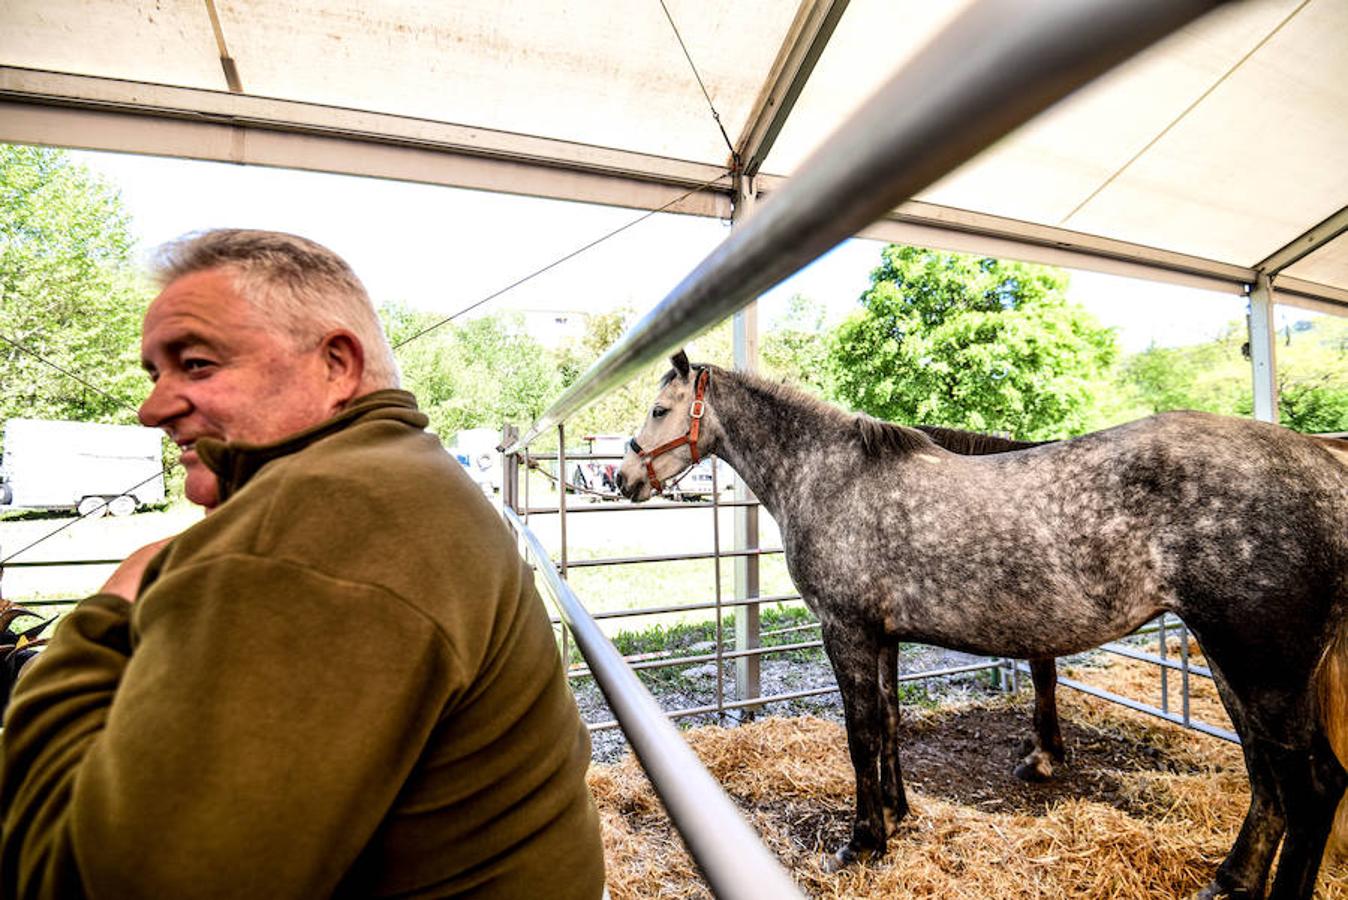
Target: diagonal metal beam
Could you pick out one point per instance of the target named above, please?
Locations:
(1306, 244)
(993, 68)
(804, 44)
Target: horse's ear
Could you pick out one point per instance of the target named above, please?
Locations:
(680, 361)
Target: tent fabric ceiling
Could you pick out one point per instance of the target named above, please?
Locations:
(1225, 142)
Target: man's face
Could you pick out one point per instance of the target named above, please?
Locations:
(221, 371)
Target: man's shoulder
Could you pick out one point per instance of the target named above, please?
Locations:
(394, 474)
(382, 492)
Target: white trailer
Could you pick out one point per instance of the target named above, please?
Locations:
(87, 466)
(475, 449)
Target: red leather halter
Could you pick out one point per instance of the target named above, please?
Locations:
(689, 437)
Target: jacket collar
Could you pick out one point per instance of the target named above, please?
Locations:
(235, 463)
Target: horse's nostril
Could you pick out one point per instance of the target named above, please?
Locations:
(621, 481)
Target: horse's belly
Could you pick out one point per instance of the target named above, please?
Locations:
(1045, 623)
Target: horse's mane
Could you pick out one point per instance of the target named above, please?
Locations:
(973, 443)
(878, 437)
(875, 436)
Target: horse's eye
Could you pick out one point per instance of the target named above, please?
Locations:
(658, 412)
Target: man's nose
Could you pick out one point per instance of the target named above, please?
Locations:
(162, 404)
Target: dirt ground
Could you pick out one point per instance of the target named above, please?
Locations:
(1142, 809)
(968, 758)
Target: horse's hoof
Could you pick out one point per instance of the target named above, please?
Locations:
(1036, 767)
(843, 857)
(838, 859)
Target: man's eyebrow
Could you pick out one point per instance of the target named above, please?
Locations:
(180, 342)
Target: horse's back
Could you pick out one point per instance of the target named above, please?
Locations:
(1096, 534)
(1243, 520)
(1202, 478)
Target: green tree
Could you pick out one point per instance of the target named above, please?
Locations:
(480, 374)
(1313, 407)
(1212, 376)
(1313, 375)
(969, 342)
(620, 410)
(69, 292)
(794, 349)
(601, 330)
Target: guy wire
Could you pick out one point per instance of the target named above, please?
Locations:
(557, 262)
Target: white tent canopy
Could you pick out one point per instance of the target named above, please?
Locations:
(1214, 156)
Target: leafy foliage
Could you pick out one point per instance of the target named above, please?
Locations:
(68, 292)
(483, 373)
(1313, 375)
(794, 350)
(1313, 407)
(619, 410)
(978, 343)
(1214, 376)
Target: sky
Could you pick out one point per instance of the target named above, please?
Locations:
(441, 249)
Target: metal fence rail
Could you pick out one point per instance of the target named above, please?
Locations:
(1161, 660)
(732, 858)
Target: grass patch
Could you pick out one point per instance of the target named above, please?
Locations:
(695, 639)
(916, 693)
(673, 583)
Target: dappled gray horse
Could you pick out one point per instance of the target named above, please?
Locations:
(1238, 527)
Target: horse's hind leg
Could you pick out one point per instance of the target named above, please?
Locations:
(891, 775)
(1310, 782)
(855, 659)
(1295, 779)
(1244, 872)
(1047, 747)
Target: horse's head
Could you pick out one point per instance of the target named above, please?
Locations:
(676, 435)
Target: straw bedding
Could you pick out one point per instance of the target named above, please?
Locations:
(1143, 809)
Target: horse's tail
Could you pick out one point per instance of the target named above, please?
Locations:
(1332, 683)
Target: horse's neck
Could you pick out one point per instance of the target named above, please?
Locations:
(771, 439)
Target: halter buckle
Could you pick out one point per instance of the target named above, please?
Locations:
(695, 411)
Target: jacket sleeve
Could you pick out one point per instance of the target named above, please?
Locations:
(248, 746)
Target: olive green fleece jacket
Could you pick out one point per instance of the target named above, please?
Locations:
(341, 682)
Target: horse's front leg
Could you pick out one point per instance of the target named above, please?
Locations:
(891, 775)
(855, 659)
(1046, 747)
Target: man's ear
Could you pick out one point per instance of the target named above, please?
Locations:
(344, 359)
(680, 362)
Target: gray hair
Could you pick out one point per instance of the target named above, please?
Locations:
(302, 286)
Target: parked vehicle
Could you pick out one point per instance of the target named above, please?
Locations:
(480, 477)
(697, 484)
(86, 466)
(598, 474)
(475, 449)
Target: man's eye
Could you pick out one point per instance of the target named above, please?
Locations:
(196, 365)
(658, 412)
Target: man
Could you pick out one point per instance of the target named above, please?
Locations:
(341, 682)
